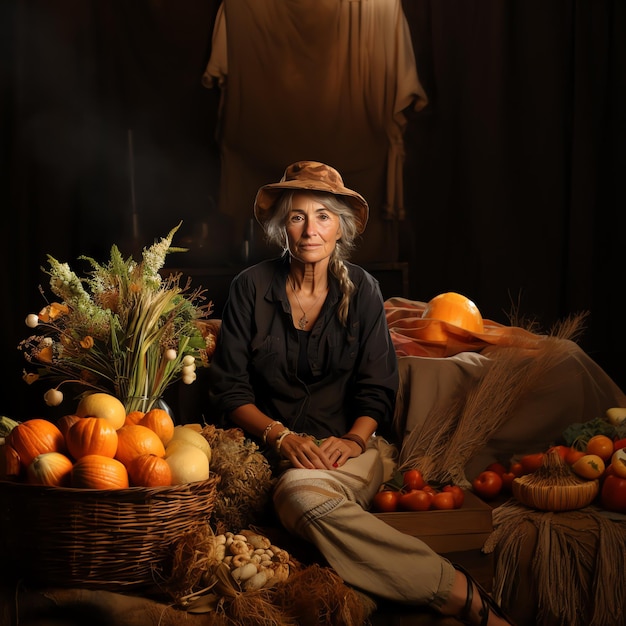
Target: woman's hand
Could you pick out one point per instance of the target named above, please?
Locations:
(303, 452)
(340, 450)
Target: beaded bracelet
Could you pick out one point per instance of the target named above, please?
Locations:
(358, 440)
(267, 430)
(279, 439)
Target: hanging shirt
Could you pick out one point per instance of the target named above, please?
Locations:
(313, 79)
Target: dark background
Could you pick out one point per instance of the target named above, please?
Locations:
(513, 175)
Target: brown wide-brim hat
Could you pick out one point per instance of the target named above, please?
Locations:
(309, 176)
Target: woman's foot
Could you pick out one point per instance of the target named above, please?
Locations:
(471, 604)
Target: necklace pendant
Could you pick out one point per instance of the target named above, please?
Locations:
(302, 322)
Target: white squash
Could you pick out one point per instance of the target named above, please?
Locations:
(616, 415)
(187, 463)
(192, 437)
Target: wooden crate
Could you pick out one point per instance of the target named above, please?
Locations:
(458, 534)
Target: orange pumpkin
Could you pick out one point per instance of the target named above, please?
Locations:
(34, 437)
(95, 471)
(134, 440)
(50, 468)
(134, 417)
(161, 422)
(64, 423)
(91, 435)
(452, 308)
(10, 466)
(149, 470)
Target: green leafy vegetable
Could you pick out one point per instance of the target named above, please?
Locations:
(577, 435)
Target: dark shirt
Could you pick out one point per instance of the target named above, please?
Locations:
(352, 368)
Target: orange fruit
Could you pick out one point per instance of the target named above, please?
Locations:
(161, 422)
(65, 422)
(618, 462)
(453, 308)
(134, 417)
(103, 405)
(149, 470)
(589, 466)
(601, 445)
(134, 440)
(95, 471)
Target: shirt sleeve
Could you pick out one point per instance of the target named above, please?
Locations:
(376, 375)
(229, 382)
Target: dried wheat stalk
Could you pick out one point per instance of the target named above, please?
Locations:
(457, 428)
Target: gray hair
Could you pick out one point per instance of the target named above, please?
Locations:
(276, 233)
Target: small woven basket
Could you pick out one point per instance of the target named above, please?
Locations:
(98, 539)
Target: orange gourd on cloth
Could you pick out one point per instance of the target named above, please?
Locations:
(415, 332)
(34, 437)
(134, 440)
(451, 308)
(91, 435)
(95, 471)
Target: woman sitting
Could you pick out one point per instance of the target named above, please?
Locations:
(305, 364)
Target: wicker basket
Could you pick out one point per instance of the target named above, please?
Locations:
(104, 539)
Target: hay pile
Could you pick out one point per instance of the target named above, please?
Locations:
(244, 491)
(570, 564)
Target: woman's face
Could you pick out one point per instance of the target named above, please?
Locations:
(312, 230)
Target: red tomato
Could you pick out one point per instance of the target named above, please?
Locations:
(386, 501)
(573, 455)
(457, 493)
(444, 500)
(613, 494)
(430, 491)
(562, 450)
(496, 467)
(531, 462)
(487, 484)
(618, 444)
(507, 480)
(415, 500)
(517, 469)
(413, 479)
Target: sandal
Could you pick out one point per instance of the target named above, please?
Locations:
(489, 605)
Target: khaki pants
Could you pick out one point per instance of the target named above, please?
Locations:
(328, 508)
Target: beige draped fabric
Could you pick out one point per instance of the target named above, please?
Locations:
(522, 406)
(326, 80)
